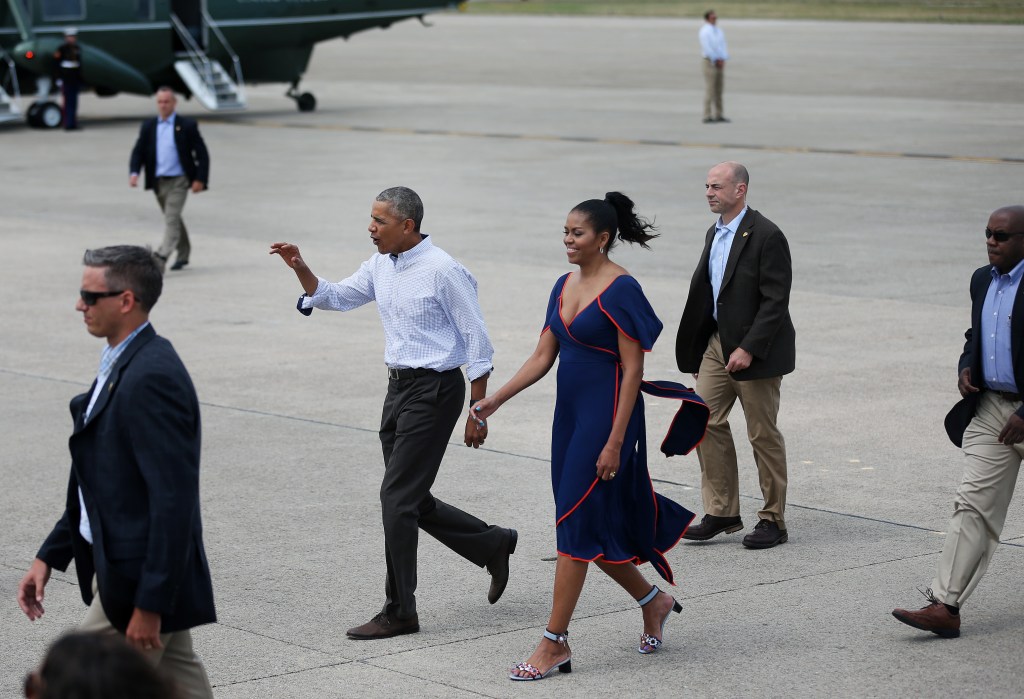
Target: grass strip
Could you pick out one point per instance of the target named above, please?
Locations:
(951, 11)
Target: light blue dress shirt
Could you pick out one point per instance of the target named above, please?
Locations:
(167, 162)
(996, 319)
(720, 247)
(107, 359)
(712, 42)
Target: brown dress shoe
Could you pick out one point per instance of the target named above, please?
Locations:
(713, 526)
(498, 567)
(935, 618)
(765, 535)
(384, 626)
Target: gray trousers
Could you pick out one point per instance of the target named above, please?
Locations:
(176, 659)
(418, 418)
(171, 193)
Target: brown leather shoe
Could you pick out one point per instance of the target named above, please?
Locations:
(765, 535)
(498, 566)
(713, 526)
(384, 626)
(935, 618)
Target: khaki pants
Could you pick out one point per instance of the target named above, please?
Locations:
(176, 659)
(714, 82)
(979, 509)
(720, 488)
(171, 193)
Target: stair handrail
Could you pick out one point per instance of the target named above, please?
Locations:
(12, 70)
(200, 61)
(21, 18)
(236, 64)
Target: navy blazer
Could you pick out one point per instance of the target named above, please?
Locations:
(136, 459)
(753, 303)
(960, 416)
(195, 160)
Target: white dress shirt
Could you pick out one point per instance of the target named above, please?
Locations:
(427, 303)
(712, 43)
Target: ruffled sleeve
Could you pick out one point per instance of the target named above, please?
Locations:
(626, 306)
(556, 293)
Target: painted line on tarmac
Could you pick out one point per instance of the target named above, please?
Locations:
(543, 460)
(326, 423)
(837, 513)
(809, 150)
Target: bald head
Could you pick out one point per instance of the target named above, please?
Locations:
(1006, 223)
(1014, 214)
(726, 189)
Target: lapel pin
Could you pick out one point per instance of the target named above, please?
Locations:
(746, 233)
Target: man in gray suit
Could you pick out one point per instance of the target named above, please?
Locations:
(737, 338)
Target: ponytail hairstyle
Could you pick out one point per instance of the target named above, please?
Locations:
(616, 213)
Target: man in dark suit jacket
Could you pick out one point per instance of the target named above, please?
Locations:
(131, 521)
(988, 423)
(176, 161)
(737, 338)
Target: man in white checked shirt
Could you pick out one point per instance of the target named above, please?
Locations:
(432, 326)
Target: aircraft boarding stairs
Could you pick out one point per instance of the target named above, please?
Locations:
(205, 77)
(9, 103)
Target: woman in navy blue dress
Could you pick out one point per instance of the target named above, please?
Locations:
(599, 325)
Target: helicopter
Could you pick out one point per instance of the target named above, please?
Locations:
(207, 49)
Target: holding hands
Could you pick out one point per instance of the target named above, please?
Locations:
(476, 421)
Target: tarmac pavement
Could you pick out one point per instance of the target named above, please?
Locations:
(880, 150)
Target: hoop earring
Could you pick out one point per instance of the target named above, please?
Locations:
(601, 251)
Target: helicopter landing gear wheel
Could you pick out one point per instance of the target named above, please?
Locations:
(44, 115)
(305, 101)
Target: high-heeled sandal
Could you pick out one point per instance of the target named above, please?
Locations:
(534, 673)
(649, 643)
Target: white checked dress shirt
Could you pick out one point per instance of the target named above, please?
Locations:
(427, 303)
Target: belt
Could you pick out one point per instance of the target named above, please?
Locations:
(1006, 395)
(400, 374)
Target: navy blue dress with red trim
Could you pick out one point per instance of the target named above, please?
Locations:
(620, 520)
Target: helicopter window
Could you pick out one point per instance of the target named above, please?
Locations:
(144, 10)
(62, 10)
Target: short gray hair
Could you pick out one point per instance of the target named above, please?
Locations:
(129, 267)
(404, 203)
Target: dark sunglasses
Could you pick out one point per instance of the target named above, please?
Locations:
(89, 298)
(1000, 236)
